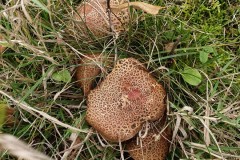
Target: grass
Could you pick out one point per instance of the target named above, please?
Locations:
(205, 118)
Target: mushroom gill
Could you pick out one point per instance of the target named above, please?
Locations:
(128, 97)
(155, 146)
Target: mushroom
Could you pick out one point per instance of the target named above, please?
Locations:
(94, 14)
(87, 71)
(89, 68)
(2, 48)
(127, 97)
(154, 146)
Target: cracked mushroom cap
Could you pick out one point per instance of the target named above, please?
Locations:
(93, 15)
(127, 98)
(155, 146)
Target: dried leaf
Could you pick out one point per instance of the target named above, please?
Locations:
(148, 8)
(169, 46)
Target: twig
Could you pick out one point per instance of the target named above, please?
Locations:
(112, 30)
(109, 16)
(145, 132)
(121, 150)
(73, 146)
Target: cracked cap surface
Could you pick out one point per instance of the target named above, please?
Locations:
(155, 146)
(127, 98)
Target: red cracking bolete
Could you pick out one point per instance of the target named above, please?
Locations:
(93, 15)
(127, 97)
(155, 146)
(89, 68)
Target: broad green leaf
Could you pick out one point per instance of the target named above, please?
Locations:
(191, 76)
(63, 76)
(203, 56)
(208, 49)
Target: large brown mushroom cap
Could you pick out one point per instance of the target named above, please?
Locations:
(93, 15)
(154, 146)
(127, 98)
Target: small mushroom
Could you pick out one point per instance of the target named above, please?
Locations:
(127, 97)
(87, 71)
(94, 14)
(155, 146)
(89, 68)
